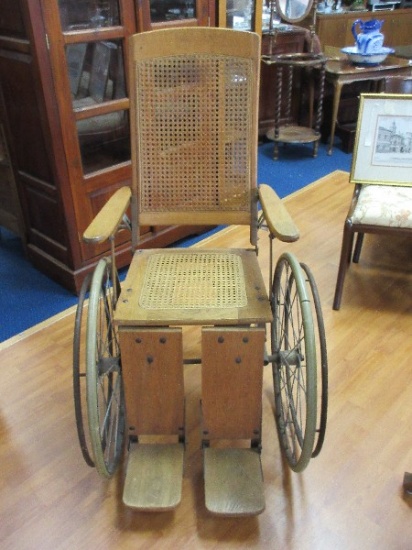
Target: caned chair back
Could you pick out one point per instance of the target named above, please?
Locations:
(194, 107)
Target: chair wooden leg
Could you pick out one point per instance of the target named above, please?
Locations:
(345, 256)
(358, 247)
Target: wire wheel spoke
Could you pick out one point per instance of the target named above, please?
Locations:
(294, 363)
(105, 399)
(110, 417)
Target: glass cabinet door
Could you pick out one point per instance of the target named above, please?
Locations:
(96, 75)
(163, 13)
(96, 71)
(245, 15)
(88, 14)
(87, 49)
(172, 10)
(94, 33)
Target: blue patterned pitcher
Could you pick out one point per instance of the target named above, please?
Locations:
(370, 40)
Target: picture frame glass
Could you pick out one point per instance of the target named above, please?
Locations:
(383, 143)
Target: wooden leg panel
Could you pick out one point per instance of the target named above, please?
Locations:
(233, 482)
(152, 367)
(154, 477)
(232, 370)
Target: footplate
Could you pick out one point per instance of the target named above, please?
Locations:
(233, 482)
(154, 477)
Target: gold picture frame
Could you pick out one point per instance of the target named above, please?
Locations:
(383, 144)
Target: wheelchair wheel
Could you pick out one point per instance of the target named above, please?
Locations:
(322, 360)
(105, 399)
(79, 372)
(293, 362)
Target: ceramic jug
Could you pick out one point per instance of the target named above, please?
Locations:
(370, 39)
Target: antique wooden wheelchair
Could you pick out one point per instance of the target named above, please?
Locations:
(194, 98)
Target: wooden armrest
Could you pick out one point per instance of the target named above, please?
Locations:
(276, 216)
(107, 221)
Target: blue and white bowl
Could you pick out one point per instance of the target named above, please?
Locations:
(373, 58)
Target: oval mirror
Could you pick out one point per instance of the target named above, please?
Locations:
(293, 11)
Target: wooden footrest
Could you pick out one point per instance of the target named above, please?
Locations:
(233, 482)
(154, 477)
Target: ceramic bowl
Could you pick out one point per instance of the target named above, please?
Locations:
(374, 58)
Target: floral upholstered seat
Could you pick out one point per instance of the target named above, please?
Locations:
(384, 205)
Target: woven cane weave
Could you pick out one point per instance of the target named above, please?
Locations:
(193, 133)
(197, 280)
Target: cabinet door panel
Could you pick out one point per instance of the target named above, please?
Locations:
(88, 14)
(152, 14)
(91, 95)
(162, 11)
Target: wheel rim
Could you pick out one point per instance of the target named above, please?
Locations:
(105, 401)
(79, 373)
(293, 363)
(322, 361)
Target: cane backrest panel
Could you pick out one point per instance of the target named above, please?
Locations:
(194, 126)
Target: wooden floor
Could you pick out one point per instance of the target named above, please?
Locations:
(350, 497)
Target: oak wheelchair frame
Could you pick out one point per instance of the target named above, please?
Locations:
(194, 97)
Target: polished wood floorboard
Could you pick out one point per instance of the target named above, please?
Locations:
(350, 497)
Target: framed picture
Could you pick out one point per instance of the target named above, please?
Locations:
(383, 143)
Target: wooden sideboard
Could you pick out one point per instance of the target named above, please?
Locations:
(335, 29)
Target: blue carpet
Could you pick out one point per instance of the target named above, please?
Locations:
(28, 297)
(296, 167)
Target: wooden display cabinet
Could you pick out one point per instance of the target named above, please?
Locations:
(10, 212)
(65, 94)
(335, 29)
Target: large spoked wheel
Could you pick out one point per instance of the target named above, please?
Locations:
(322, 362)
(79, 373)
(105, 400)
(293, 363)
